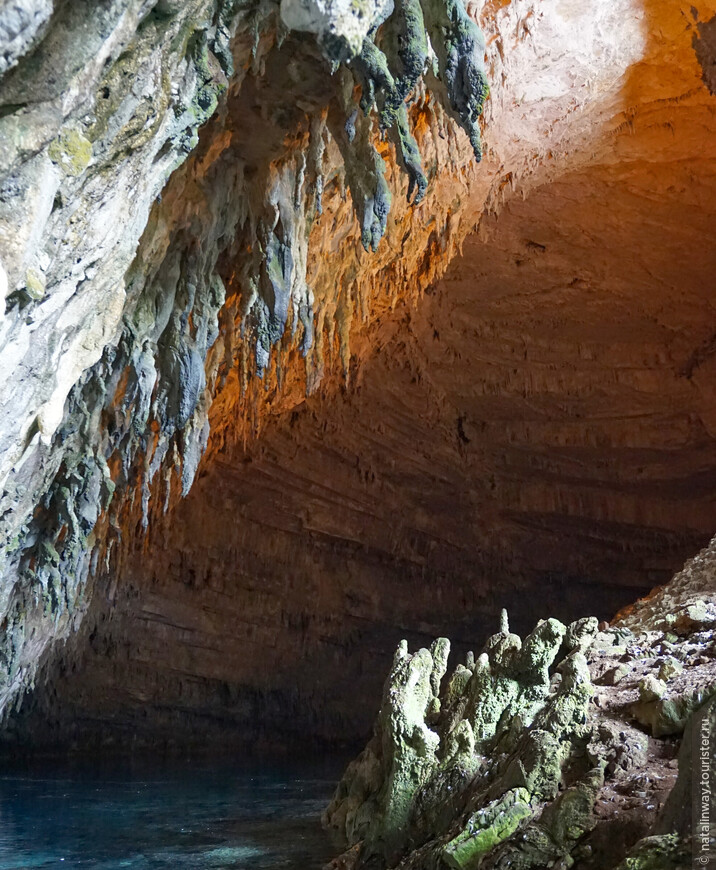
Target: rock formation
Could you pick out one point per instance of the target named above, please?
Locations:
(106, 338)
(249, 258)
(557, 751)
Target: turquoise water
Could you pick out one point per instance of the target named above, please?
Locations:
(170, 815)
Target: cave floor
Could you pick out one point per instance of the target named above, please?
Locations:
(149, 813)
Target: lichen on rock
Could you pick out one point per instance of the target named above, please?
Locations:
(525, 761)
(498, 726)
(71, 151)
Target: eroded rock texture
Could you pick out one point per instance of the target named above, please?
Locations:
(555, 751)
(106, 338)
(382, 450)
(467, 469)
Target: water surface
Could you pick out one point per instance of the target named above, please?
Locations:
(174, 814)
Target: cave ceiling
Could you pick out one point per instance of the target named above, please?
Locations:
(476, 385)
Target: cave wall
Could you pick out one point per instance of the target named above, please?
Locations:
(523, 428)
(536, 433)
(108, 341)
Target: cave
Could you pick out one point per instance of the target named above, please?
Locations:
(332, 329)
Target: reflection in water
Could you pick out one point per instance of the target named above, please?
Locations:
(167, 815)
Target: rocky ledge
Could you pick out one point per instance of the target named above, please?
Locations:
(570, 748)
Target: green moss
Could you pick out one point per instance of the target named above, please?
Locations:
(507, 743)
(460, 47)
(580, 634)
(405, 43)
(539, 651)
(555, 834)
(71, 151)
(409, 154)
(567, 714)
(213, 81)
(493, 694)
(365, 173)
(488, 828)
(388, 69)
(662, 852)
(408, 745)
(116, 87)
(537, 765)
(570, 816)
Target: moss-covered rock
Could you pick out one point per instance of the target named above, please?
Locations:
(71, 151)
(487, 828)
(497, 749)
(668, 714)
(660, 852)
(34, 284)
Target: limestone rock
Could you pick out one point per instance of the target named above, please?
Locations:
(334, 22)
(110, 244)
(670, 668)
(651, 689)
(21, 23)
(525, 770)
(508, 745)
(220, 220)
(668, 714)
